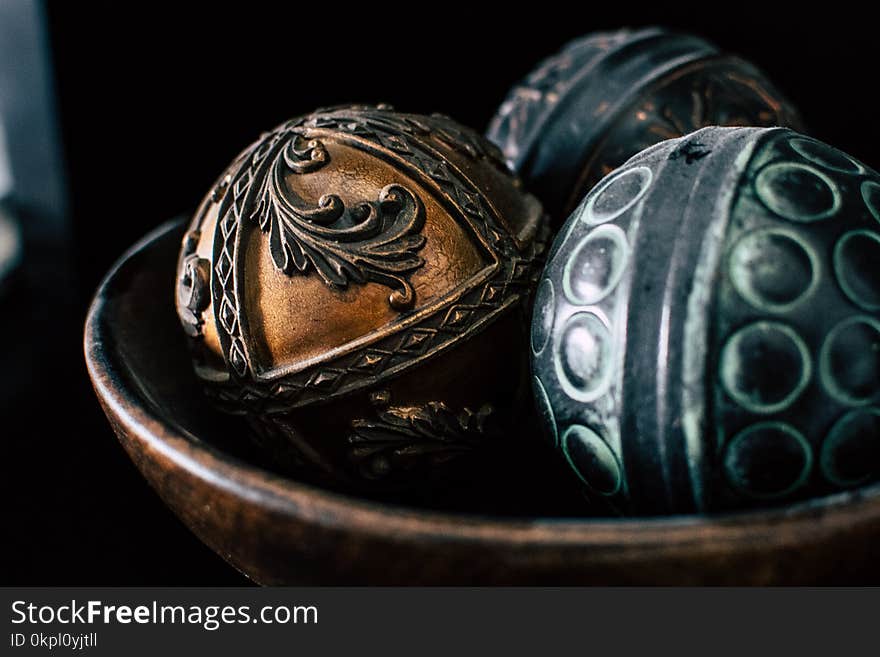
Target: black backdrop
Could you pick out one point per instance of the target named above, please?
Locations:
(154, 101)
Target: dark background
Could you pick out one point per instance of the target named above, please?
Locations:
(154, 100)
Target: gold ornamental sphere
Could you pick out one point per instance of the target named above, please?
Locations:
(356, 284)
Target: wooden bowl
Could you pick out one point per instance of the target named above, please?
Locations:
(278, 530)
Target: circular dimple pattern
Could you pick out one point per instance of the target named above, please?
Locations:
(583, 357)
(871, 196)
(856, 260)
(546, 410)
(797, 192)
(765, 366)
(544, 311)
(851, 453)
(591, 459)
(825, 156)
(773, 269)
(616, 195)
(849, 362)
(595, 265)
(767, 460)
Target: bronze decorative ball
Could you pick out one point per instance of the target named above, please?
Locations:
(604, 97)
(355, 285)
(706, 334)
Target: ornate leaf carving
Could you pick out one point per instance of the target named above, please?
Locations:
(404, 438)
(373, 241)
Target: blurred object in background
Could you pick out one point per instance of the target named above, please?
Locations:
(34, 235)
(10, 241)
(31, 164)
(5, 166)
(10, 245)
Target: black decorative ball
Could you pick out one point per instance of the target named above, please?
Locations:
(604, 97)
(706, 334)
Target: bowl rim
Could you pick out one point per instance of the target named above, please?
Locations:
(805, 520)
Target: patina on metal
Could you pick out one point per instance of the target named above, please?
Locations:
(355, 284)
(707, 332)
(604, 97)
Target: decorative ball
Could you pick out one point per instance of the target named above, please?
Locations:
(604, 97)
(356, 286)
(706, 334)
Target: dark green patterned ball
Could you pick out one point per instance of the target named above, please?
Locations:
(706, 334)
